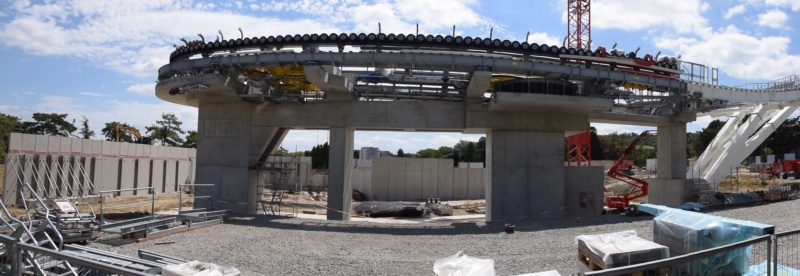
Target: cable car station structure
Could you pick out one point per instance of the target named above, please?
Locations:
(525, 97)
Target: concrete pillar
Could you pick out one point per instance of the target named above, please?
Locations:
(669, 186)
(527, 169)
(340, 167)
(228, 148)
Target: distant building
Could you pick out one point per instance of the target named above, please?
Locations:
(367, 153)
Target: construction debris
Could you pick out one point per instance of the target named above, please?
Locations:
(391, 209)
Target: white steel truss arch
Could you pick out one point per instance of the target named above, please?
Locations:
(738, 139)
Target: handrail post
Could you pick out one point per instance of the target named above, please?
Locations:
(153, 203)
(16, 258)
(769, 249)
(101, 209)
(180, 198)
(774, 255)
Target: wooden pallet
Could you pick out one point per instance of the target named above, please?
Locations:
(592, 262)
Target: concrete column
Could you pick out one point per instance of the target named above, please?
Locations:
(527, 170)
(669, 187)
(340, 167)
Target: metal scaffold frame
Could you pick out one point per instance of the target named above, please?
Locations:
(274, 175)
(54, 176)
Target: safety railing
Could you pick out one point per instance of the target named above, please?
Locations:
(152, 201)
(13, 259)
(777, 254)
(180, 195)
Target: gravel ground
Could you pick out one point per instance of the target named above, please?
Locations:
(263, 245)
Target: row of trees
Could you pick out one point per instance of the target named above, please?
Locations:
(166, 131)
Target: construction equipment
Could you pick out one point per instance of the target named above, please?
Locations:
(72, 225)
(623, 173)
(786, 169)
(123, 128)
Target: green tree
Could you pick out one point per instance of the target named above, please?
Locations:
(8, 124)
(480, 151)
(191, 139)
(782, 140)
(281, 152)
(50, 124)
(596, 150)
(167, 130)
(319, 156)
(705, 137)
(400, 153)
(85, 132)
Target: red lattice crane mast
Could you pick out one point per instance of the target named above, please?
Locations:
(579, 36)
(579, 24)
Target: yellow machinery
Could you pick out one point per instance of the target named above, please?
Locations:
(121, 128)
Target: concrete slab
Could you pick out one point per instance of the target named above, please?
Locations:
(380, 178)
(127, 175)
(475, 184)
(53, 144)
(170, 176)
(460, 183)
(430, 177)
(413, 173)
(41, 144)
(397, 178)
(444, 189)
(15, 142)
(157, 174)
(583, 191)
(10, 175)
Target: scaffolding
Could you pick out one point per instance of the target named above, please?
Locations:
(274, 175)
(51, 176)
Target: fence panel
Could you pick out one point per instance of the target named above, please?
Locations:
(786, 253)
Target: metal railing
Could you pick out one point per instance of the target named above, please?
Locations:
(152, 201)
(15, 250)
(180, 195)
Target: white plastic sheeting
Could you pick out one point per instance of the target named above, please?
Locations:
(463, 265)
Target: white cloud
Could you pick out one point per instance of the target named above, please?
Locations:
(147, 89)
(544, 38)
(92, 94)
(773, 18)
(683, 16)
(735, 10)
(136, 39)
(793, 4)
(737, 54)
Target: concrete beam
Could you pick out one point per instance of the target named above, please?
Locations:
(337, 87)
(479, 83)
(639, 120)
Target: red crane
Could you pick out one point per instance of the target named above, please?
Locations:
(579, 27)
(621, 173)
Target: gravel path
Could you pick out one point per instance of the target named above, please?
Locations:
(263, 245)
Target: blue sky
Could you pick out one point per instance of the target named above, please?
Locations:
(99, 59)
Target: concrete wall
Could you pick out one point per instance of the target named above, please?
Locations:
(415, 179)
(70, 167)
